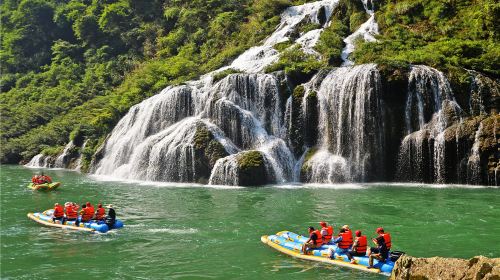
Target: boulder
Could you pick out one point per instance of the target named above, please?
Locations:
(408, 268)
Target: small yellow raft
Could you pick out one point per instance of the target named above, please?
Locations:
(44, 186)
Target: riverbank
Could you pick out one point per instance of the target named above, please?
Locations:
(479, 267)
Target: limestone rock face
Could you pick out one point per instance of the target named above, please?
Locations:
(479, 267)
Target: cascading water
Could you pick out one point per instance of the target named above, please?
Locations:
(430, 109)
(37, 161)
(246, 126)
(78, 164)
(255, 59)
(474, 161)
(156, 140)
(62, 160)
(367, 31)
(350, 126)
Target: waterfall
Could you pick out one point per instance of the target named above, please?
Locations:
(427, 89)
(78, 165)
(474, 161)
(157, 138)
(350, 126)
(367, 31)
(430, 108)
(255, 59)
(36, 161)
(62, 160)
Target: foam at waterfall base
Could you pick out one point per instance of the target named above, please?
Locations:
(133, 182)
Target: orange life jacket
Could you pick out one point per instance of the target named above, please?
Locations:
(58, 211)
(100, 213)
(327, 237)
(71, 212)
(319, 241)
(87, 214)
(361, 244)
(387, 239)
(91, 209)
(346, 242)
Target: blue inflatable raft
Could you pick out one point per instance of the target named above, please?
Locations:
(291, 244)
(45, 218)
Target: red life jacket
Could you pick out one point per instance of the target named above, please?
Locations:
(71, 212)
(100, 213)
(346, 242)
(87, 214)
(58, 211)
(319, 240)
(362, 244)
(327, 237)
(91, 209)
(387, 239)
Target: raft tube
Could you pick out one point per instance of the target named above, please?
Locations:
(45, 218)
(45, 186)
(291, 244)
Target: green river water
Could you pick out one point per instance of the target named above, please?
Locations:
(177, 231)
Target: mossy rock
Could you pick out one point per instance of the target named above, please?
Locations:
(207, 151)
(305, 169)
(296, 126)
(252, 169)
(222, 74)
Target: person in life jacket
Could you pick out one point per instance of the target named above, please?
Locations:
(326, 232)
(315, 240)
(358, 247)
(381, 253)
(91, 208)
(344, 241)
(58, 213)
(100, 213)
(386, 236)
(71, 213)
(86, 214)
(37, 179)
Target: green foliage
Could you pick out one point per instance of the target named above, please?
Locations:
(222, 74)
(52, 151)
(296, 63)
(442, 34)
(283, 45)
(331, 43)
(72, 69)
